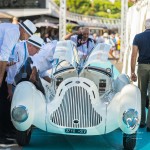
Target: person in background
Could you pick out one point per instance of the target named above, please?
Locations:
(114, 46)
(55, 35)
(43, 61)
(94, 37)
(141, 48)
(108, 40)
(46, 38)
(83, 42)
(99, 39)
(118, 47)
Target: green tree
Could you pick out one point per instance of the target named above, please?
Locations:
(78, 6)
(57, 2)
(69, 27)
(95, 7)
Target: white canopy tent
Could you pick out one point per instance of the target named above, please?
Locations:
(136, 16)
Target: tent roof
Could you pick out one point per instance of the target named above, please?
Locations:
(5, 15)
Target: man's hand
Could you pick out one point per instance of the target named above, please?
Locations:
(33, 75)
(11, 63)
(68, 36)
(133, 77)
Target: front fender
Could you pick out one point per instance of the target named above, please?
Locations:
(23, 98)
(130, 109)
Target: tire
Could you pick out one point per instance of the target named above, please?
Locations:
(6, 3)
(129, 141)
(23, 137)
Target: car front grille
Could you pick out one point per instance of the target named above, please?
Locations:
(76, 110)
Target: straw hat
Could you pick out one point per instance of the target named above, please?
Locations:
(28, 26)
(36, 41)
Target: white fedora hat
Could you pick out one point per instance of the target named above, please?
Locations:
(36, 41)
(28, 26)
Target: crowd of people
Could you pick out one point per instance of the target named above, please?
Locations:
(25, 56)
(113, 39)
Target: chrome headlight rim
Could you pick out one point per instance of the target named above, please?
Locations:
(130, 118)
(15, 115)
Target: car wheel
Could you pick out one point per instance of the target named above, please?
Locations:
(23, 137)
(6, 3)
(129, 141)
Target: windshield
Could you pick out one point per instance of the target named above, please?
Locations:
(66, 50)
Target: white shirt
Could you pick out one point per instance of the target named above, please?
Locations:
(21, 51)
(9, 36)
(109, 41)
(100, 40)
(43, 60)
(83, 50)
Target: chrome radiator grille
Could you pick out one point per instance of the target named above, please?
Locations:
(76, 110)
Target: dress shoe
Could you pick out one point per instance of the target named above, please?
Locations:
(142, 125)
(148, 129)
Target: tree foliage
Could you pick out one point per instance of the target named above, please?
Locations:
(69, 27)
(101, 8)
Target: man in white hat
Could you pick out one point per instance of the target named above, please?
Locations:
(43, 61)
(9, 36)
(22, 51)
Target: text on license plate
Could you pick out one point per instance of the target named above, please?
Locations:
(77, 131)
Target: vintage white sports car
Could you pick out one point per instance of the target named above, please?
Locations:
(82, 99)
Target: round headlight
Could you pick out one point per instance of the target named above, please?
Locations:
(130, 118)
(19, 114)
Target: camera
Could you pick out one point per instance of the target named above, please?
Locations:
(80, 36)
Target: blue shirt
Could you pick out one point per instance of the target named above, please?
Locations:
(142, 41)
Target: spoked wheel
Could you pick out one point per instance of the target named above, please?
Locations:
(129, 141)
(23, 137)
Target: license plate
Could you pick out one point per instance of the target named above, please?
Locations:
(76, 131)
